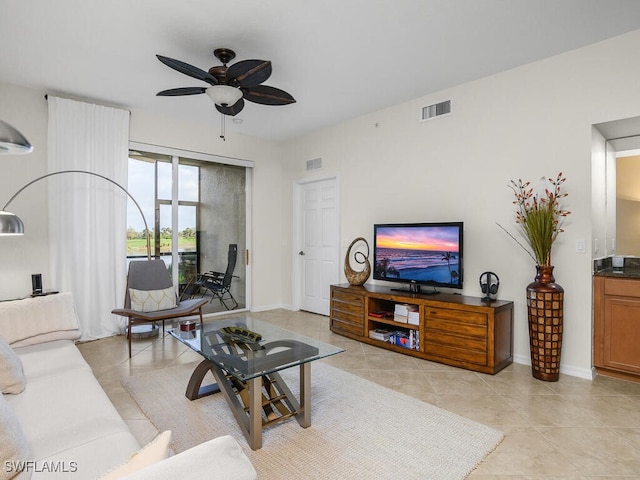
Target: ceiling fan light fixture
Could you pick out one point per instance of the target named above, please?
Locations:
(224, 95)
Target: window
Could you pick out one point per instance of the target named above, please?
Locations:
(194, 210)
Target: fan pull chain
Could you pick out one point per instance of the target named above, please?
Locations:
(222, 132)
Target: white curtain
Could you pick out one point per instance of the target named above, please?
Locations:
(87, 214)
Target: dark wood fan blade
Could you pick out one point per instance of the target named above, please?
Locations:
(176, 92)
(187, 69)
(233, 110)
(267, 95)
(249, 73)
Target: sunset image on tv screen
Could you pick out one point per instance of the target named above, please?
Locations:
(427, 254)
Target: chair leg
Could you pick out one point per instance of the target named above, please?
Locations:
(231, 297)
(213, 295)
(129, 336)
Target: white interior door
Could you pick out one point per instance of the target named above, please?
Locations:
(319, 243)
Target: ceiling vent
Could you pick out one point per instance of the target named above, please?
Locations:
(436, 110)
(314, 164)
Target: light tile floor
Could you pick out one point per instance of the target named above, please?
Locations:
(571, 429)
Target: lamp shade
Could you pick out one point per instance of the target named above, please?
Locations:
(224, 95)
(12, 141)
(10, 224)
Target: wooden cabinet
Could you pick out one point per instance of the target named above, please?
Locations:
(454, 329)
(616, 346)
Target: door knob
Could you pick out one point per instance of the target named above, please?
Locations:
(301, 252)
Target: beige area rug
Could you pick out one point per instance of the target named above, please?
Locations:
(359, 430)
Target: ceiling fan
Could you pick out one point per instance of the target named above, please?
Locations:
(230, 86)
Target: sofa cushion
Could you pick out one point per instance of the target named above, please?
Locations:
(155, 451)
(66, 417)
(89, 460)
(64, 410)
(13, 443)
(39, 319)
(152, 300)
(11, 375)
(221, 458)
(50, 359)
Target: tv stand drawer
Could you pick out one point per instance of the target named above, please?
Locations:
(458, 355)
(347, 312)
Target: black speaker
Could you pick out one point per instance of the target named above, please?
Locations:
(489, 286)
(36, 283)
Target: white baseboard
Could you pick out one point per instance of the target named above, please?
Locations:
(266, 308)
(586, 373)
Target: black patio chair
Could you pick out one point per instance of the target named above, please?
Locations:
(218, 283)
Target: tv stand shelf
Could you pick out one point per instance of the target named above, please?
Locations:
(457, 330)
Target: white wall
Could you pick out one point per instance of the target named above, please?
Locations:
(611, 239)
(26, 110)
(526, 123)
(21, 256)
(599, 184)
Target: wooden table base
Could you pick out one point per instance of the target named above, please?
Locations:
(258, 402)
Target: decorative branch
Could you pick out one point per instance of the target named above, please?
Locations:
(517, 241)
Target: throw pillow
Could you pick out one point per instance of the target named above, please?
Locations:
(13, 443)
(34, 320)
(11, 375)
(152, 452)
(152, 300)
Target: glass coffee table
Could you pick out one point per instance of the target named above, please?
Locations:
(245, 355)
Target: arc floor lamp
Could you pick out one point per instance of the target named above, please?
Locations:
(12, 141)
(10, 224)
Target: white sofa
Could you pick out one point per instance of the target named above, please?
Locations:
(70, 427)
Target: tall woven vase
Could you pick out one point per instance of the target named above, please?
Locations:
(545, 300)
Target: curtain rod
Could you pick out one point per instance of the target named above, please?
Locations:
(46, 97)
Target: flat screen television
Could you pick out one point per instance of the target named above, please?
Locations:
(418, 254)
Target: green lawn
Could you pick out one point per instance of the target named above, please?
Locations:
(139, 245)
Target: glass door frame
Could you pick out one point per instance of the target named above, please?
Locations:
(175, 155)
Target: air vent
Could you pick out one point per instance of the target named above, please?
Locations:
(436, 110)
(314, 164)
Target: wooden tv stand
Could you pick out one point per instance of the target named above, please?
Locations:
(453, 329)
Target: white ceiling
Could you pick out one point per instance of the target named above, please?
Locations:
(338, 58)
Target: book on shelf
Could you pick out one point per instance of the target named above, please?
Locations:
(413, 318)
(402, 310)
(380, 334)
(400, 318)
(410, 339)
(414, 340)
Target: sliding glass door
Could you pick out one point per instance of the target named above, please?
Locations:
(195, 210)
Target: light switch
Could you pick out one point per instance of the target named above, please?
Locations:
(580, 246)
